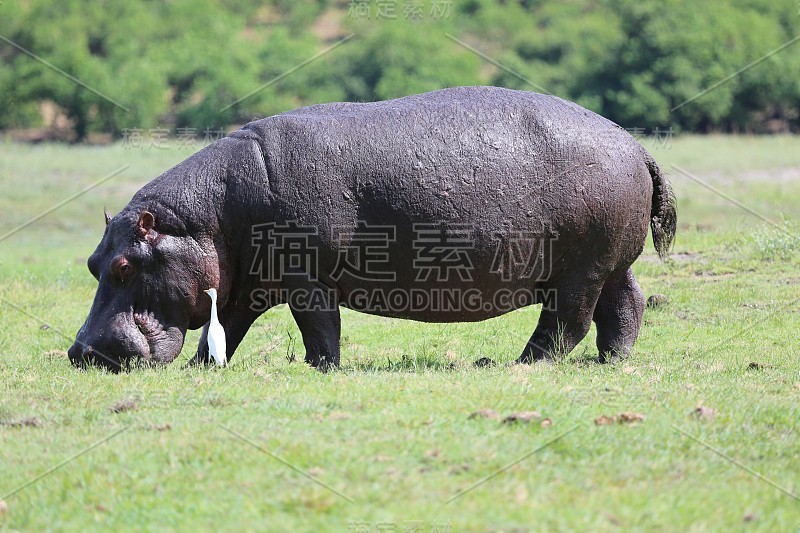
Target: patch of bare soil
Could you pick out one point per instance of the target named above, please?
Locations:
(524, 417)
(484, 413)
(627, 417)
(125, 404)
(28, 422)
(678, 257)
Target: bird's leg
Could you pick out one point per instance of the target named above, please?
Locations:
(236, 321)
(202, 357)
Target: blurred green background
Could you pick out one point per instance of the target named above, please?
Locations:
(392, 429)
(177, 66)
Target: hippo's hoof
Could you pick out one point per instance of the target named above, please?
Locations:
(198, 360)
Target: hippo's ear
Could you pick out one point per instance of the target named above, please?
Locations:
(105, 214)
(147, 223)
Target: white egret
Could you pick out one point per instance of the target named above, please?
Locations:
(216, 333)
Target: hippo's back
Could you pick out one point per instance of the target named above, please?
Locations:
(453, 154)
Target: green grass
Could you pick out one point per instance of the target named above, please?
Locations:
(390, 431)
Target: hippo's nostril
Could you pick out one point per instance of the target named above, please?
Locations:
(84, 354)
(77, 355)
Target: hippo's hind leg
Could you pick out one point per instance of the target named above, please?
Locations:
(563, 323)
(618, 315)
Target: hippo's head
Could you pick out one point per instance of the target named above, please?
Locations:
(151, 276)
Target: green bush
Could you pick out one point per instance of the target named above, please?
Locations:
(642, 63)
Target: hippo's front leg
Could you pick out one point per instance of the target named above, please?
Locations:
(320, 324)
(321, 331)
(236, 322)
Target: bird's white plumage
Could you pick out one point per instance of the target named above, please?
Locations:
(216, 333)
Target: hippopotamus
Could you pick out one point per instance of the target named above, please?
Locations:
(456, 205)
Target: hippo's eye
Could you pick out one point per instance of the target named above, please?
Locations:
(122, 269)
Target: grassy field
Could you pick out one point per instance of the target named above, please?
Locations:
(387, 442)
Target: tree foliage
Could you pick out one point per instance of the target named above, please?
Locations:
(111, 65)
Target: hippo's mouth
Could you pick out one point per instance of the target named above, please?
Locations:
(155, 335)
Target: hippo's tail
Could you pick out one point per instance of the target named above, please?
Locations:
(663, 215)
